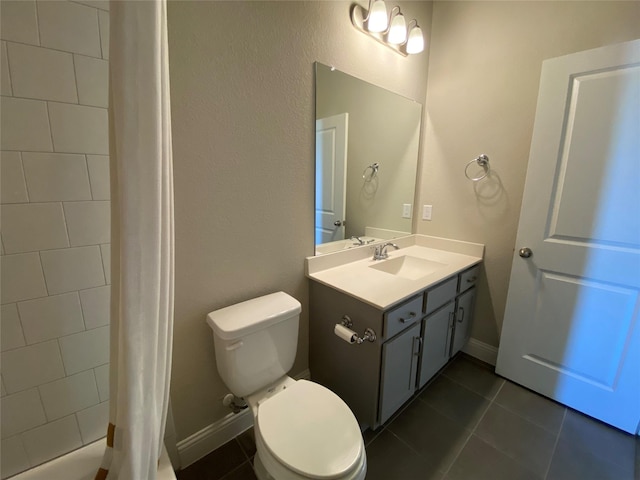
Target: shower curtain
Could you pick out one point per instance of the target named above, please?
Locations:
(142, 248)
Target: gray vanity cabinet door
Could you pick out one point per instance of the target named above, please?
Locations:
(399, 370)
(436, 340)
(464, 313)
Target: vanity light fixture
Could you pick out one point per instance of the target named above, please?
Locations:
(391, 32)
(397, 27)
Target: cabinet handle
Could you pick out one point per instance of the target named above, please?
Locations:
(461, 319)
(472, 279)
(412, 315)
(417, 350)
(452, 320)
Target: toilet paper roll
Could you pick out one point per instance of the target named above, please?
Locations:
(345, 333)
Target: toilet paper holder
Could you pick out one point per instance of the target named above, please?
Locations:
(369, 334)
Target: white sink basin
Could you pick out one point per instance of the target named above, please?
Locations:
(409, 267)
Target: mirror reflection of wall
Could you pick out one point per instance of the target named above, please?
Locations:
(383, 128)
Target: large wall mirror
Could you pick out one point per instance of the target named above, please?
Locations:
(367, 141)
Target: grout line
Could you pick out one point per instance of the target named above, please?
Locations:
(555, 445)
(6, 49)
(471, 433)
(37, 24)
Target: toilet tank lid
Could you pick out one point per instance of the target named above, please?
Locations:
(247, 317)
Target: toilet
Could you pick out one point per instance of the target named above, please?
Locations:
(302, 429)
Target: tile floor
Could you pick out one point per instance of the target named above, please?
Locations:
(467, 424)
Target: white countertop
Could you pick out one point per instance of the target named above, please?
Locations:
(350, 272)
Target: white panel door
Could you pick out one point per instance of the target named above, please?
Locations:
(571, 329)
(331, 177)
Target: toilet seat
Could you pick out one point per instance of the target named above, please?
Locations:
(311, 431)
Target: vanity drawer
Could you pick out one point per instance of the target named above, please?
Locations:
(441, 294)
(469, 278)
(402, 316)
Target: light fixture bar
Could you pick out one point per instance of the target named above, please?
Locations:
(409, 42)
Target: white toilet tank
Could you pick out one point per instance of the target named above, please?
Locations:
(255, 341)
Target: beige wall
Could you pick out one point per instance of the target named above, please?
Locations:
(242, 92)
(484, 72)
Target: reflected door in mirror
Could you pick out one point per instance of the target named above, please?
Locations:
(331, 168)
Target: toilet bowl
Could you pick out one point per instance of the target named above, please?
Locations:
(302, 429)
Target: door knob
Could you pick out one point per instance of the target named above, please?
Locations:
(525, 252)
(338, 223)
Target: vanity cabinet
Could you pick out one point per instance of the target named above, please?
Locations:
(415, 339)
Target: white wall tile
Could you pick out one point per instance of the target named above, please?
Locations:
(105, 250)
(79, 129)
(21, 411)
(21, 277)
(51, 317)
(25, 125)
(88, 223)
(54, 177)
(52, 440)
(10, 327)
(85, 350)
(72, 269)
(14, 457)
(5, 79)
(99, 176)
(13, 188)
(103, 18)
(70, 27)
(28, 227)
(69, 395)
(95, 306)
(102, 379)
(19, 21)
(93, 80)
(28, 65)
(27, 367)
(93, 422)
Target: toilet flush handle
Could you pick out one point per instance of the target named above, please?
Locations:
(234, 346)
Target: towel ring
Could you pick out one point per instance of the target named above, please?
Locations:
(374, 171)
(483, 161)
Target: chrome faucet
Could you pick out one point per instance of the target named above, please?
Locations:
(380, 252)
(357, 239)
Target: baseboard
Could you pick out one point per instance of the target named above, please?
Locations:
(482, 351)
(213, 436)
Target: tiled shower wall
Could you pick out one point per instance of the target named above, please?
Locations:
(55, 228)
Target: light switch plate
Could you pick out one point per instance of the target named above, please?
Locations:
(426, 212)
(406, 210)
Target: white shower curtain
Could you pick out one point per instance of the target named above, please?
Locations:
(142, 248)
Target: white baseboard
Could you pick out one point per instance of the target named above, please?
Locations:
(482, 351)
(213, 436)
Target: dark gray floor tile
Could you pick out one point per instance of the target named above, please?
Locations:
(215, 465)
(389, 458)
(434, 436)
(247, 441)
(455, 401)
(369, 435)
(599, 439)
(522, 440)
(244, 472)
(535, 408)
(572, 463)
(480, 461)
(474, 376)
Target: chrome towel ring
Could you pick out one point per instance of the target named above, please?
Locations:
(482, 161)
(368, 176)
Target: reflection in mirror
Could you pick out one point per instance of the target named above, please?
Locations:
(367, 142)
